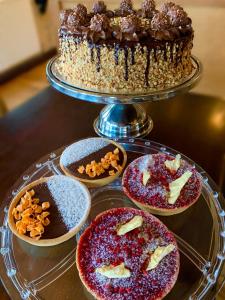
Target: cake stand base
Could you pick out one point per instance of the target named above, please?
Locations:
(122, 117)
(122, 121)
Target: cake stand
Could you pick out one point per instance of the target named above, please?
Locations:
(123, 116)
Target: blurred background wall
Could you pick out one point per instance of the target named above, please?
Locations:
(24, 31)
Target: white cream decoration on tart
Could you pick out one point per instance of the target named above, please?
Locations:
(173, 186)
(177, 185)
(173, 165)
(135, 222)
(158, 255)
(146, 177)
(119, 271)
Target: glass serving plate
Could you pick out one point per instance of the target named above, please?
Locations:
(30, 272)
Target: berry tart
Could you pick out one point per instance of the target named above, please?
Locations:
(49, 210)
(127, 253)
(94, 161)
(162, 184)
(126, 50)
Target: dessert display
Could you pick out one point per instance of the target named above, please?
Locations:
(126, 50)
(162, 184)
(49, 210)
(94, 161)
(127, 253)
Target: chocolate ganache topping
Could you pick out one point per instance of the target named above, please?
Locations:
(99, 7)
(77, 17)
(126, 5)
(80, 10)
(75, 20)
(178, 17)
(130, 29)
(161, 27)
(148, 8)
(160, 21)
(130, 24)
(167, 6)
(99, 29)
(125, 24)
(126, 8)
(100, 23)
(64, 15)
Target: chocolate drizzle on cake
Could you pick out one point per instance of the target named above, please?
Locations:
(165, 55)
(171, 52)
(91, 47)
(126, 63)
(147, 67)
(132, 56)
(116, 54)
(155, 54)
(152, 46)
(96, 48)
(98, 65)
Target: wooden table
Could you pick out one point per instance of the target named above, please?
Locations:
(192, 124)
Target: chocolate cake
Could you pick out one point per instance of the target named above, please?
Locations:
(126, 50)
(127, 253)
(162, 184)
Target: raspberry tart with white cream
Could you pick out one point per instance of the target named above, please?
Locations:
(127, 253)
(162, 184)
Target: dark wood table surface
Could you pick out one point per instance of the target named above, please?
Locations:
(192, 124)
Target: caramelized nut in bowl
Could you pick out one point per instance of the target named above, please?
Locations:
(49, 211)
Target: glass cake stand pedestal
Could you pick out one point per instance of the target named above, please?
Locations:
(123, 116)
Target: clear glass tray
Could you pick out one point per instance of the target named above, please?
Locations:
(30, 272)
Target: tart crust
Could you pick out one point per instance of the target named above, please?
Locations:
(159, 210)
(45, 242)
(98, 182)
(79, 254)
